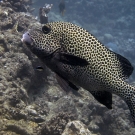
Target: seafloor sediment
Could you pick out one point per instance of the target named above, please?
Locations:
(32, 103)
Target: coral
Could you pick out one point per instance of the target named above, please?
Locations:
(2, 50)
(18, 21)
(56, 124)
(20, 127)
(18, 5)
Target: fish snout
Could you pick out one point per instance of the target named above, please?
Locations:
(26, 38)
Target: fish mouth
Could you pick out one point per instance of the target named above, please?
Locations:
(26, 39)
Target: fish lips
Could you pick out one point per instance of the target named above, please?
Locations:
(26, 39)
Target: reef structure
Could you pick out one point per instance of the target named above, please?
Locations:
(43, 11)
(18, 5)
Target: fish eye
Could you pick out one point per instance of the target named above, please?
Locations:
(46, 29)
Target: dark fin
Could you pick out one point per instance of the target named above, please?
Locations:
(39, 68)
(103, 97)
(65, 84)
(126, 66)
(73, 86)
(72, 60)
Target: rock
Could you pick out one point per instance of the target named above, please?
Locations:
(112, 46)
(20, 127)
(56, 124)
(76, 128)
(108, 37)
(43, 13)
(31, 110)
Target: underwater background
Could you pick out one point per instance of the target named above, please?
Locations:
(31, 100)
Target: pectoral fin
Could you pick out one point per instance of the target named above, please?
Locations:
(103, 97)
(65, 84)
(72, 60)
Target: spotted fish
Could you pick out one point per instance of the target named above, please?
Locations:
(80, 60)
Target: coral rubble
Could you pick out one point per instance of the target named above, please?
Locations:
(18, 5)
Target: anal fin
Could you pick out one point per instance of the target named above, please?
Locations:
(103, 97)
(65, 84)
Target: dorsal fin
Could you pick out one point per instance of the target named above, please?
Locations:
(125, 65)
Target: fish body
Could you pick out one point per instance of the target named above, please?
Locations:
(62, 7)
(80, 60)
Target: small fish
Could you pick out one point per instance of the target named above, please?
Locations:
(39, 68)
(80, 60)
(62, 7)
